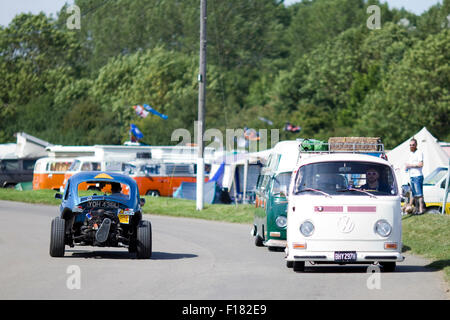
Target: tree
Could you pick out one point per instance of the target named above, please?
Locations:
(414, 94)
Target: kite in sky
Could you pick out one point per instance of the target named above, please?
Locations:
(143, 111)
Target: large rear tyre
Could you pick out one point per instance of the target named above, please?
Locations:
(57, 246)
(144, 240)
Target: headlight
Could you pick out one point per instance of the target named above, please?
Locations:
(281, 221)
(383, 228)
(307, 228)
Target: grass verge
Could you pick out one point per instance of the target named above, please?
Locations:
(428, 235)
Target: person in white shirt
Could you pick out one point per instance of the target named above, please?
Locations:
(414, 167)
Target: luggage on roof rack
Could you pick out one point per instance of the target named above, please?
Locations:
(362, 144)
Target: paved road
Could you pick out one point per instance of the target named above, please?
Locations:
(192, 259)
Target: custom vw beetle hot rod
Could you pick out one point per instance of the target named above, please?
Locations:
(108, 214)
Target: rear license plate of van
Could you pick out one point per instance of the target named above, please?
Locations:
(345, 256)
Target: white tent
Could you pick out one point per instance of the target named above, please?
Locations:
(433, 155)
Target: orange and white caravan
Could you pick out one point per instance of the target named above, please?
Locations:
(49, 172)
(157, 178)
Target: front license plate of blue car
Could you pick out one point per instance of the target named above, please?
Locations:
(124, 218)
(345, 256)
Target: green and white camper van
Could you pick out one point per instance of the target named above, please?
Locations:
(270, 219)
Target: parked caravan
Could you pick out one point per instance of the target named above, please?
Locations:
(49, 172)
(344, 208)
(159, 178)
(14, 171)
(270, 219)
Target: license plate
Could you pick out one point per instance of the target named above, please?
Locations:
(345, 256)
(124, 218)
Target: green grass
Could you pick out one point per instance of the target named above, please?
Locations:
(187, 208)
(429, 236)
(30, 196)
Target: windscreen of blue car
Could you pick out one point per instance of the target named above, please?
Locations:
(104, 188)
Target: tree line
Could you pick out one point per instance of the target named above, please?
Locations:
(314, 64)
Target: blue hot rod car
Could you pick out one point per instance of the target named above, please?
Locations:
(101, 209)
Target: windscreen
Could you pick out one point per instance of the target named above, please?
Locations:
(281, 183)
(435, 176)
(104, 188)
(346, 178)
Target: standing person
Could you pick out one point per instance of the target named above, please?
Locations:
(414, 167)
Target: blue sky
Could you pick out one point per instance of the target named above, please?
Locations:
(9, 8)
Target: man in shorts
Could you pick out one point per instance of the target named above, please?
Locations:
(414, 167)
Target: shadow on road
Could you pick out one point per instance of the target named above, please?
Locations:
(364, 269)
(171, 256)
(117, 255)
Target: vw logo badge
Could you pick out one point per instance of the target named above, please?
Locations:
(345, 224)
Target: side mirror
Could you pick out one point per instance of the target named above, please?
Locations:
(58, 196)
(142, 202)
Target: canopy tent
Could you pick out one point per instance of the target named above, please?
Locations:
(433, 155)
(188, 190)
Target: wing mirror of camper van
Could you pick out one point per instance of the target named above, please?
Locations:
(142, 202)
(58, 196)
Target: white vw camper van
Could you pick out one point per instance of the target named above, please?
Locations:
(339, 213)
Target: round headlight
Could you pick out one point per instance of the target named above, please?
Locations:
(307, 228)
(281, 221)
(383, 228)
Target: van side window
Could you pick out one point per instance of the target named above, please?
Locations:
(28, 164)
(10, 165)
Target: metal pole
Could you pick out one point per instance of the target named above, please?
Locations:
(444, 201)
(201, 105)
(244, 194)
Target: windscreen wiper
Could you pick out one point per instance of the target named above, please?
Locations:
(311, 189)
(359, 190)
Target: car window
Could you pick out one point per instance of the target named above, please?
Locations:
(10, 165)
(338, 176)
(281, 183)
(75, 165)
(66, 195)
(435, 176)
(104, 188)
(28, 164)
(60, 166)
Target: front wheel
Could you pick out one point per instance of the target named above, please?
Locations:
(144, 240)
(259, 241)
(57, 246)
(299, 266)
(388, 266)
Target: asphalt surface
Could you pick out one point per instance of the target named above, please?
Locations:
(192, 259)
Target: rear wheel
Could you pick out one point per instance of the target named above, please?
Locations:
(57, 246)
(144, 240)
(289, 264)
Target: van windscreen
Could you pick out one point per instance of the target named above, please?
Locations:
(346, 178)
